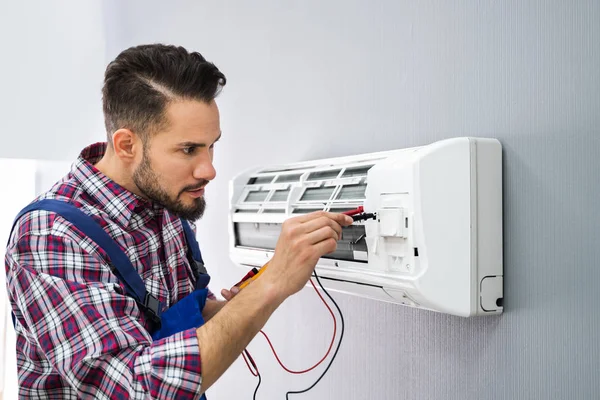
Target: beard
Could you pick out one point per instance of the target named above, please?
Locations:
(148, 183)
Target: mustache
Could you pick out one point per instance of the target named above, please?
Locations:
(195, 187)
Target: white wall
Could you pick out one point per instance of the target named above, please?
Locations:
(313, 78)
(51, 72)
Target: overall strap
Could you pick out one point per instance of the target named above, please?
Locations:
(120, 262)
(195, 256)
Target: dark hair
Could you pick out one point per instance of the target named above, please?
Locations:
(142, 80)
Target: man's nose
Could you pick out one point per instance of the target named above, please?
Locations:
(205, 170)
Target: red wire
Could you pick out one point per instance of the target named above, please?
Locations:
(328, 350)
(245, 352)
(253, 363)
(277, 356)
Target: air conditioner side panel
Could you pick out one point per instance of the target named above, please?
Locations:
(444, 226)
(489, 220)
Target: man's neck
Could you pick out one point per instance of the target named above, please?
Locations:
(111, 166)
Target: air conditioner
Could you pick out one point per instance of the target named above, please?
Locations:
(436, 243)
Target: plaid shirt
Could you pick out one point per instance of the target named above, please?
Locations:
(78, 334)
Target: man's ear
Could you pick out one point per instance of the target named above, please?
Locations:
(127, 145)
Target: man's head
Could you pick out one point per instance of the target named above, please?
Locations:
(162, 123)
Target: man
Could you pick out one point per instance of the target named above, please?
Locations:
(78, 332)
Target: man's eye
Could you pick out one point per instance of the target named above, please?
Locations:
(189, 150)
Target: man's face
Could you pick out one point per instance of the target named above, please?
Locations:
(177, 161)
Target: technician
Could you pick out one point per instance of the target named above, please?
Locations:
(83, 328)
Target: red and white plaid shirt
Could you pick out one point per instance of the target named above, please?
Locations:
(78, 334)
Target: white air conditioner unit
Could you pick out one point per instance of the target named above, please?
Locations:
(436, 243)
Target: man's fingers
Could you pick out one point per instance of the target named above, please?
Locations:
(226, 294)
(230, 294)
(321, 234)
(341, 219)
(310, 216)
(316, 224)
(325, 246)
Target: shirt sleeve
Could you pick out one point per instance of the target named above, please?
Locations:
(75, 314)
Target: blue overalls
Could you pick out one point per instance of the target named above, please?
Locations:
(183, 315)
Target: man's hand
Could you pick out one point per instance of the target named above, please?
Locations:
(214, 306)
(211, 307)
(302, 242)
(230, 294)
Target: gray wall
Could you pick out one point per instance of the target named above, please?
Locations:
(51, 68)
(313, 79)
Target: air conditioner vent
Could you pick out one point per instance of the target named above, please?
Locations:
(288, 178)
(280, 195)
(256, 196)
(352, 192)
(357, 171)
(315, 176)
(260, 180)
(317, 194)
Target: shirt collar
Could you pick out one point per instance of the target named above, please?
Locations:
(118, 202)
